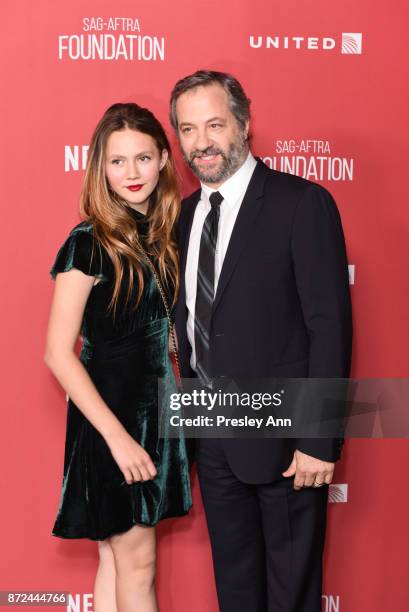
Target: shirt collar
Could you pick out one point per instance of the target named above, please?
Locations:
(235, 185)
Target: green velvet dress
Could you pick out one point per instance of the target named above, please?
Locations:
(124, 355)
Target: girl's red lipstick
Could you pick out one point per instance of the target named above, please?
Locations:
(134, 187)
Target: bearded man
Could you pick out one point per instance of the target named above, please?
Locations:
(264, 293)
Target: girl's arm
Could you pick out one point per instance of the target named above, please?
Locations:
(71, 292)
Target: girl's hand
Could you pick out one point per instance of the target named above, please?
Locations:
(133, 460)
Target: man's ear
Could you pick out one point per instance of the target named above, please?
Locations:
(247, 129)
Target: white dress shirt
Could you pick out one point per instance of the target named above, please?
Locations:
(233, 191)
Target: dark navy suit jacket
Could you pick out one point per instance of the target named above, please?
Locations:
(282, 306)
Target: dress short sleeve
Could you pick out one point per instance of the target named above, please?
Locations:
(80, 251)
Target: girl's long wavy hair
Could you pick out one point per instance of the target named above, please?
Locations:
(107, 212)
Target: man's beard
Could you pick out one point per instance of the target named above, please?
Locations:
(231, 161)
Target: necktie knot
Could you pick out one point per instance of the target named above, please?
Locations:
(215, 199)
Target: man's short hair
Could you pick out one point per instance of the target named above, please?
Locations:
(238, 101)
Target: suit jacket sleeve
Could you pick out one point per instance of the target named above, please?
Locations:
(321, 274)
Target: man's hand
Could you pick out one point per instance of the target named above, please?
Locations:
(309, 471)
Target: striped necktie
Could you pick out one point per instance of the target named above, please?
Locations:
(205, 288)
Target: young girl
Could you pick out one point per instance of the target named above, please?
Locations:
(116, 281)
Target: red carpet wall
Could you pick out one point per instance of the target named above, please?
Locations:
(328, 83)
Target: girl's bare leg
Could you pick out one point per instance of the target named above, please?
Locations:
(135, 558)
(105, 580)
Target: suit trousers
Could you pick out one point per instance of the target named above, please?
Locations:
(267, 539)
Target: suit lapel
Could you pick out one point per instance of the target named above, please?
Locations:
(187, 230)
(184, 248)
(242, 229)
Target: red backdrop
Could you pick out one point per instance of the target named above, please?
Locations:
(329, 103)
